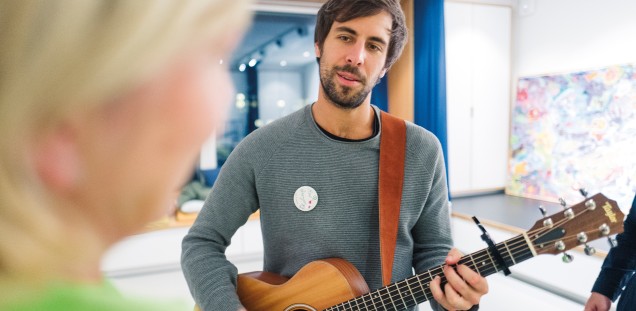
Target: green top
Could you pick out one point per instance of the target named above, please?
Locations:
(76, 297)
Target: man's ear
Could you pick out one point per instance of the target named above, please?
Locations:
(57, 159)
(317, 49)
(383, 73)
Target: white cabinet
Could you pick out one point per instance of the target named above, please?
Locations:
(478, 64)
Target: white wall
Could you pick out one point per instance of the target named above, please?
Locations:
(478, 95)
(573, 35)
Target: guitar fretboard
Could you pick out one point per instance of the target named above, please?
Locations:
(415, 290)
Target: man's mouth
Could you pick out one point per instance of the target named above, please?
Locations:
(348, 76)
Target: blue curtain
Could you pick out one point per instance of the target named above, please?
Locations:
(430, 68)
(252, 98)
(380, 96)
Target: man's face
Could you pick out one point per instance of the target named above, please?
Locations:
(353, 57)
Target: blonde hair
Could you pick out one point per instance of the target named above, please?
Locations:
(63, 56)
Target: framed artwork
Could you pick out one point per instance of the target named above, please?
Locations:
(575, 130)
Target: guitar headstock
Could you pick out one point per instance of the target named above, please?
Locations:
(594, 218)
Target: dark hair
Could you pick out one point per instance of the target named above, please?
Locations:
(345, 10)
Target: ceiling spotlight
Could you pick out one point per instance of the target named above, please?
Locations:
(283, 63)
(306, 54)
(242, 67)
(252, 62)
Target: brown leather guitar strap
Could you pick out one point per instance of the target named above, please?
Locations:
(390, 182)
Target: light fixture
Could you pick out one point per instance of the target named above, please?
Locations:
(258, 122)
(526, 7)
(240, 100)
(259, 53)
(242, 67)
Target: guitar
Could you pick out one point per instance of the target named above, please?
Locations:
(335, 284)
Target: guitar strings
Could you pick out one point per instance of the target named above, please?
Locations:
(417, 291)
(516, 245)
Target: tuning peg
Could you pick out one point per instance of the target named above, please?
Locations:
(583, 192)
(542, 210)
(548, 221)
(604, 229)
(562, 202)
(569, 214)
(567, 258)
(582, 237)
(612, 241)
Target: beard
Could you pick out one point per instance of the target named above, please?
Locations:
(344, 96)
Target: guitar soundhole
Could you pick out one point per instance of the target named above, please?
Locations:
(300, 307)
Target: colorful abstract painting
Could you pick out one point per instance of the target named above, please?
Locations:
(575, 130)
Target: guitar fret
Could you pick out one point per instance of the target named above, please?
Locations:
(491, 260)
(390, 297)
(400, 292)
(350, 303)
(410, 290)
(511, 256)
(380, 297)
(474, 265)
(363, 302)
(420, 282)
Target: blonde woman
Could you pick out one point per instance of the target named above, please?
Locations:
(103, 108)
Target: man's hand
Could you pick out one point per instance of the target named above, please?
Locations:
(598, 302)
(464, 288)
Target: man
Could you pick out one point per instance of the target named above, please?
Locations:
(314, 177)
(617, 272)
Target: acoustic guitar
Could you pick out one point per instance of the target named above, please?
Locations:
(335, 284)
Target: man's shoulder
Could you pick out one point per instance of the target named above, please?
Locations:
(418, 137)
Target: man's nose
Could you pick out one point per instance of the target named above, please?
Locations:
(356, 55)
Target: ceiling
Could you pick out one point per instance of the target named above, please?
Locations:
(274, 37)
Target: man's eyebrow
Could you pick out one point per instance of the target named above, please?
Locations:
(353, 32)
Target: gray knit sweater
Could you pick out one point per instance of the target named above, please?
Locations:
(264, 172)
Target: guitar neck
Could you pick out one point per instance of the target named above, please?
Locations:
(415, 290)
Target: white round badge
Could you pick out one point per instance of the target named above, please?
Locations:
(305, 198)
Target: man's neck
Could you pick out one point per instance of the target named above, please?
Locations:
(353, 124)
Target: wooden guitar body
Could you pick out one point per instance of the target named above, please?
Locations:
(317, 286)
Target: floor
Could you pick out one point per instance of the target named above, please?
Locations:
(541, 283)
